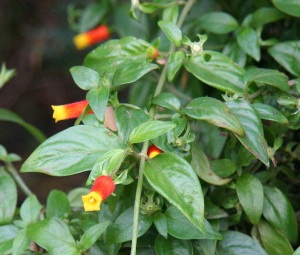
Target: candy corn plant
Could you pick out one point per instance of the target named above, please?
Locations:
(201, 158)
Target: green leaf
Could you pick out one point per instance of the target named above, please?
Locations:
(121, 230)
(251, 196)
(254, 139)
(172, 246)
(201, 166)
(57, 204)
(268, 112)
(90, 236)
(74, 196)
(273, 241)
(171, 13)
(291, 7)
(167, 100)
(215, 112)
(297, 252)
(8, 197)
(98, 99)
(127, 118)
(85, 78)
(180, 227)
(172, 31)
(249, 42)
(174, 63)
(223, 167)
(161, 224)
(265, 15)
(218, 22)
(30, 210)
(233, 51)
(149, 130)
(7, 233)
(71, 151)
(173, 178)
(54, 236)
(287, 54)
(235, 243)
(21, 242)
(7, 115)
(278, 211)
(129, 72)
(219, 72)
(267, 76)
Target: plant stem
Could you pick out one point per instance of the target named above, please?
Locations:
(14, 173)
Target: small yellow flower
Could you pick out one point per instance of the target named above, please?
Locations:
(92, 201)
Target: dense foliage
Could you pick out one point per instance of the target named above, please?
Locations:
(213, 87)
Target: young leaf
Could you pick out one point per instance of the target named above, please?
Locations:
(85, 78)
(57, 204)
(98, 99)
(173, 178)
(30, 210)
(8, 233)
(121, 230)
(251, 196)
(8, 195)
(172, 246)
(54, 236)
(174, 63)
(254, 139)
(268, 112)
(249, 42)
(219, 72)
(279, 212)
(161, 224)
(167, 100)
(171, 31)
(218, 22)
(291, 7)
(149, 130)
(72, 151)
(215, 112)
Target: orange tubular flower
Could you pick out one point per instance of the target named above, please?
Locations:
(91, 37)
(153, 151)
(102, 188)
(69, 111)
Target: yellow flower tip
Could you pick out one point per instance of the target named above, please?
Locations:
(59, 112)
(153, 151)
(81, 41)
(92, 201)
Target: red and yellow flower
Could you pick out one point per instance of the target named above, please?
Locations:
(96, 35)
(102, 188)
(153, 151)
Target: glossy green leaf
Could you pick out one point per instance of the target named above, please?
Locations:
(90, 236)
(121, 230)
(171, 13)
(98, 99)
(7, 233)
(7, 115)
(287, 54)
(173, 178)
(72, 151)
(167, 100)
(8, 197)
(273, 241)
(180, 227)
(54, 236)
(265, 15)
(267, 76)
(129, 72)
(234, 51)
(249, 42)
(21, 242)
(85, 78)
(57, 204)
(223, 167)
(235, 243)
(149, 130)
(171, 31)
(215, 112)
(175, 62)
(254, 139)
(251, 196)
(291, 7)
(212, 211)
(278, 211)
(201, 166)
(161, 224)
(127, 118)
(218, 22)
(172, 246)
(268, 112)
(30, 210)
(219, 72)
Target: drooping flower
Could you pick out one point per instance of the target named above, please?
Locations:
(153, 151)
(96, 35)
(103, 186)
(69, 111)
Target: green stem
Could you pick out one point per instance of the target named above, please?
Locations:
(13, 172)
